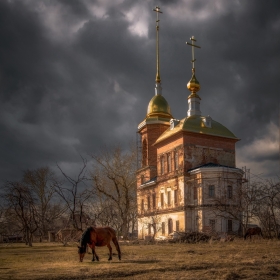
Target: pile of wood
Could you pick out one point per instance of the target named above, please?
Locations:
(190, 237)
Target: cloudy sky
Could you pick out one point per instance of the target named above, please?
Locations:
(78, 75)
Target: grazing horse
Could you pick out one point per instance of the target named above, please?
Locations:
(253, 231)
(98, 236)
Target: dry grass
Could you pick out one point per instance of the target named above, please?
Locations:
(258, 259)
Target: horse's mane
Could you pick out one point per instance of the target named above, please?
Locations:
(85, 238)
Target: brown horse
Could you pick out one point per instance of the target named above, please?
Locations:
(98, 236)
(253, 231)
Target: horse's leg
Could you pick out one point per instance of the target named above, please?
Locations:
(110, 251)
(94, 253)
(92, 250)
(115, 241)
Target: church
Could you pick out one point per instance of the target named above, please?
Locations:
(187, 165)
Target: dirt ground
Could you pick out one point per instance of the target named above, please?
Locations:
(257, 259)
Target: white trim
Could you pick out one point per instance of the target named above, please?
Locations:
(150, 183)
(216, 169)
(211, 148)
(145, 122)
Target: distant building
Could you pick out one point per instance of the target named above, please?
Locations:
(185, 166)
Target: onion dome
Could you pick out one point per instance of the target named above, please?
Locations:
(193, 85)
(158, 106)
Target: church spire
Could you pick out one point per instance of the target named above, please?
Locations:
(158, 80)
(193, 86)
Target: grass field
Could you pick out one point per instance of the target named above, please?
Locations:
(256, 259)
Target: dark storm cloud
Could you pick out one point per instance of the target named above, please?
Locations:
(77, 75)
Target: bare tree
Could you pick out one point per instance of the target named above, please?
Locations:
(42, 183)
(268, 206)
(114, 177)
(21, 204)
(75, 193)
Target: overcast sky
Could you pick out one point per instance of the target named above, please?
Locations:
(78, 75)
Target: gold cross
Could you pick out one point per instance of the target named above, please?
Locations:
(193, 46)
(157, 10)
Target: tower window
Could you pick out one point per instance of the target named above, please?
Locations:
(144, 152)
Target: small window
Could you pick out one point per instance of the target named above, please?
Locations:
(177, 225)
(162, 165)
(142, 205)
(195, 193)
(212, 191)
(149, 202)
(154, 200)
(162, 199)
(212, 224)
(142, 179)
(149, 229)
(229, 225)
(170, 226)
(163, 228)
(144, 153)
(229, 192)
(176, 160)
(176, 197)
(169, 198)
(168, 163)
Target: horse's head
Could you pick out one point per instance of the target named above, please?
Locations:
(81, 252)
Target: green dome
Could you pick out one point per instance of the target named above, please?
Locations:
(196, 124)
(158, 106)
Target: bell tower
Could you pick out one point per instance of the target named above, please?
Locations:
(155, 123)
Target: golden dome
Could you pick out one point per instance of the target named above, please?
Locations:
(158, 106)
(193, 85)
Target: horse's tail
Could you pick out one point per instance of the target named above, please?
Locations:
(261, 233)
(115, 241)
(245, 236)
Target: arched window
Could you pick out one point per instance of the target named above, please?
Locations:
(144, 153)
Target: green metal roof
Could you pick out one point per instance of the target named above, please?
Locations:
(196, 124)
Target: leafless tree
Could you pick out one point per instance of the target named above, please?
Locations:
(268, 206)
(42, 183)
(21, 206)
(114, 177)
(76, 193)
